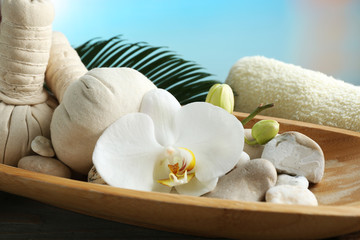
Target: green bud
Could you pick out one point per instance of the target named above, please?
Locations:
(221, 95)
(265, 130)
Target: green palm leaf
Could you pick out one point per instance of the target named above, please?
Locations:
(184, 79)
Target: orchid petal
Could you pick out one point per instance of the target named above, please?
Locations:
(126, 153)
(161, 106)
(213, 135)
(197, 188)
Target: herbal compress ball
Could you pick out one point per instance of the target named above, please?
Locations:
(89, 102)
(25, 110)
(89, 106)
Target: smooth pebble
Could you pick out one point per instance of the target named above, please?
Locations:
(42, 146)
(296, 154)
(248, 181)
(290, 194)
(284, 179)
(45, 165)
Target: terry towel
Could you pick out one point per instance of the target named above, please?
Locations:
(298, 93)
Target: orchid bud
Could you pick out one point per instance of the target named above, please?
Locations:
(265, 130)
(221, 95)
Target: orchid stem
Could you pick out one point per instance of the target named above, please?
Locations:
(259, 109)
(250, 142)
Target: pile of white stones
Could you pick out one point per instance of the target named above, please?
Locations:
(277, 172)
(295, 157)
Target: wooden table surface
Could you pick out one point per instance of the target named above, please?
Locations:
(22, 218)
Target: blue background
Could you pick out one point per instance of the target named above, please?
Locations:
(322, 35)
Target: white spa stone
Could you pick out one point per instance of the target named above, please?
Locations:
(284, 179)
(248, 181)
(290, 194)
(296, 154)
(42, 146)
(244, 158)
(45, 165)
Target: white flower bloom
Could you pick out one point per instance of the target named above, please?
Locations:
(166, 145)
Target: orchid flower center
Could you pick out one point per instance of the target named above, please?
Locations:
(180, 162)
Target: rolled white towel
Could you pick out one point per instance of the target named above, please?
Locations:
(297, 93)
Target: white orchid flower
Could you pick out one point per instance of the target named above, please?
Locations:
(166, 145)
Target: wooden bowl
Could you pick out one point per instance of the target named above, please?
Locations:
(338, 195)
